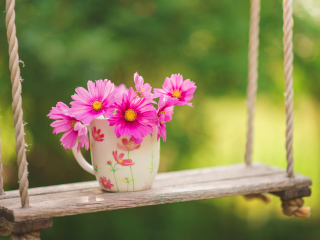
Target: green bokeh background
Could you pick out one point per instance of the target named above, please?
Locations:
(66, 43)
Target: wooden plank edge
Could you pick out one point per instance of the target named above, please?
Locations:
(26, 226)
(293, 193)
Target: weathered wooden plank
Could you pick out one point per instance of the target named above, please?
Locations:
(94, 200)
(187, 185)
(168, 178)
(26, 226)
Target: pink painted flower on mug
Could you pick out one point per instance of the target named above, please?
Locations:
(106, 183)
(164, 113)
(177, 88)
(91, 104)
(127, 145)
(119, 159)
(97, 135)
(120, 90)
(134, 117)
(109, 162)
(143, 90)
(72, 128)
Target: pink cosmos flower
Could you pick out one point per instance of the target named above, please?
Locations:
(59, 111)
(72, 127)
(98, 101)
(119, 159)
(106, 183)
(128, 145)
(134, 117)
(143, 90)
(120, 90)
(164, 113)
(97, 135)
(109, 162)
(176, 87)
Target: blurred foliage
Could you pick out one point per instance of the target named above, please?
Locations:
(65, 43)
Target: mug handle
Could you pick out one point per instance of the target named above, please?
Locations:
(81, 160)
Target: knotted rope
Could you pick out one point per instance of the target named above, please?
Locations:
(17, 102)
(252, 73)
(288, 68)
(26, 236)
(295, 207)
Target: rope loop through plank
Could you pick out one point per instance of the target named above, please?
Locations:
(17, 102)
(288, 68)
(252, 73)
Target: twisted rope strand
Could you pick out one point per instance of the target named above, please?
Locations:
(288, 68)
(252, 73)
(17, 102)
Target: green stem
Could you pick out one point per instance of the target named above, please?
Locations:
(152, 164)
(132, 178)
(114, 174)
(131, 173)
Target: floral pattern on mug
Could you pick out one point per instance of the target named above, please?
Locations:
(127, 145)
(106, 183)
(97, 135)
(119, 159)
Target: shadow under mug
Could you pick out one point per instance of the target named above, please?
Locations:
(119, 164)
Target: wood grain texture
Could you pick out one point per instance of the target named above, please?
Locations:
(79, 198)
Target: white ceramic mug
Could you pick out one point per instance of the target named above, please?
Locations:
(119, 164)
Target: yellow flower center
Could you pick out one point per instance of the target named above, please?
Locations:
(130, 115)
(96, 135)
(128, 145)
(105, 183)
(72, 123)
(162, 112)
(176, 94)
(96, 105)
(141, 89)
(120, 160)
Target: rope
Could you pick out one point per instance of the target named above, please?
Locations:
(265, 198)
(17, 102)
(294, 207)
(26, 236)
(4, 231)
(1, 172)
(252, 73)
(288, 68)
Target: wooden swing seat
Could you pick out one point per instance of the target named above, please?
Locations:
(179, 186)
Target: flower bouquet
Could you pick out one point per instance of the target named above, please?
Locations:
(124, 128)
